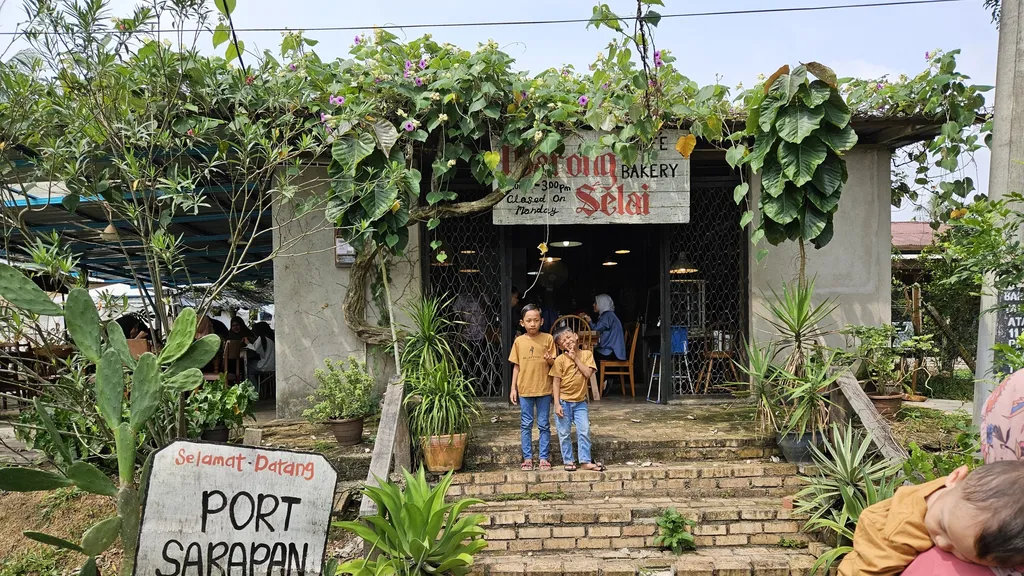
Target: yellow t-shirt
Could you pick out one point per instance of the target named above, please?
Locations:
(528, 353)
(573, 387)
(891, 533)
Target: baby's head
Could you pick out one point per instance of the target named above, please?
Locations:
(565, 337)
(979, 517)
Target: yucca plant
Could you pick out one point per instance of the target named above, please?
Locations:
(806, 397)
(764, 383)
(441, 401)
(415, 532)
(146, 382)
(429, 335)
(798, 322)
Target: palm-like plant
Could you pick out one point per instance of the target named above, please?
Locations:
(441, 401)
(807, 396)
(429, 335)
(797, 321)
(415, 532)
(763, 383)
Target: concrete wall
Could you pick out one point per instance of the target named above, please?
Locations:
(855, 267)
(308, 294)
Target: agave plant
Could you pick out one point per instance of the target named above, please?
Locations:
(415, 532)
(798, 322)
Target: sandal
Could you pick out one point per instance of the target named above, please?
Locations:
(545, 465)
(594, 466)
(526, 465)
(570, 467)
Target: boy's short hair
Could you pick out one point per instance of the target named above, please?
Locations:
(995, 488)
(559, 331)
(529, 308)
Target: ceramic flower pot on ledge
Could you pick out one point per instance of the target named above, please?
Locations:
(348, 432)
(443, 453)
(887, 405)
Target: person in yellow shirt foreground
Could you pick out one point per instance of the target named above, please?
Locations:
(571, 372)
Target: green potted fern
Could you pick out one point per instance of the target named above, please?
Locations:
(343, 400)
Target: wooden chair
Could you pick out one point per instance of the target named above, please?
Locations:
(580, 326)
(724, 354)
(234, 361)
(623, 368)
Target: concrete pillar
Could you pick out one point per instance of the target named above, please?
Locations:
(1006, 173)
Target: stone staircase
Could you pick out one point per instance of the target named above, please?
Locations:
(603, 523)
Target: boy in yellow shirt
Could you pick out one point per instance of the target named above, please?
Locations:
(532, 354)
(976, 516)
(571, 372)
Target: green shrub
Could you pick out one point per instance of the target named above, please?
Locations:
(959, 386)
(675, 532)
(217, 404)
(345, 391)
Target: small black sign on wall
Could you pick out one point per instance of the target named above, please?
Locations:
(1009, 316)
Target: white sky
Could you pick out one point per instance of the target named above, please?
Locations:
(866, 42)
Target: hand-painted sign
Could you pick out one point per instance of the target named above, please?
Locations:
(601, 190)
(219, 509)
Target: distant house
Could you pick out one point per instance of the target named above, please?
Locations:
(909, 239)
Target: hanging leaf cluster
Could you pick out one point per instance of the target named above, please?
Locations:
(801, 128)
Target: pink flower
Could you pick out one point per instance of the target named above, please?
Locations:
(378, 80)
(337, 100)
(583, 100)
(418, 81)
(408, 126)
(657, 59)
(605, 86)
(408, 64)
(927, 55)
(423, 63)
(358, 40)
(879, 86)
(407, 74)
(324, 117)
(292, 67)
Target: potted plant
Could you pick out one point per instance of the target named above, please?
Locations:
(343, 399)
(215, 408)
(887, 373)
(441, 404)
(804, 406)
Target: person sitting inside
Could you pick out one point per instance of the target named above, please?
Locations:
(571, 374)
(976, 516)
(262, 345)
(239, 331)
(611, 341)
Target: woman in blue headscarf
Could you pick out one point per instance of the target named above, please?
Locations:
(611, 340)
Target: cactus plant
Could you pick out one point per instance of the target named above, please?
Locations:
(176, 370)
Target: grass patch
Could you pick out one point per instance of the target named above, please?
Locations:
(543, 496)
(956, 386)
(933, 430)
(35, 561)
(796, 544)
(57, 500)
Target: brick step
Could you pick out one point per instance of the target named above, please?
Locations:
(719, 561)
(709, 479)
(624, 522)
(483, 454)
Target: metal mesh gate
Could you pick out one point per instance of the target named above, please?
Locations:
(471, 276)
(708, 293)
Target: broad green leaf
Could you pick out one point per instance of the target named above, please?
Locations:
(799, 161)
(795, 122)
(825, 203)
(786, 207)
(825, 236)
(774, 232)
(791, 83)
(183, 332)
(550, 143)
(89, 568)
(768, 110)
(117, 341)
(52, 541)
(146, 394)
(55, 436)
(735, 155)
(746, 218)
(221, 34)
(124, 443)
(23, 293)
(740, 192)
(225, 7)
(83, 323)
(101, 536)
(386, 134)
(410, 182)
(772, 181)
(761, 254)
(823, 73)
(235, 49)
(757, 236)
(812, 222)
(491, 159)
(70, 202)
(378, 200)
(350, 149)
(838, 139)
(762, 145)
(91, 479)
(20, 479)
(816, 94)
(199, 354)
(184, 381)
(110, 387)
(828, 177)
(837, 112)
(770, 83)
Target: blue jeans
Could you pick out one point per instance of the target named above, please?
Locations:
(527, 406)
(575, 413)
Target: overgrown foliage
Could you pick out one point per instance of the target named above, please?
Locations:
(675, 532)
(344, 390)
(889, 362)
(218, 404)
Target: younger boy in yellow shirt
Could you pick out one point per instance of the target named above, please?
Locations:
(571, 372)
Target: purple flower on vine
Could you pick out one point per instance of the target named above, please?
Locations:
(524, 95)
(407, 74)
(605, 86)
(408, 64)
(337, 100)
(583, 100)
(423, 63)
(657, 59)
(879, 86)
(408, 126)
(927, 55)
(292, 67)
(378, 80)
(418, 81)
(324, 118)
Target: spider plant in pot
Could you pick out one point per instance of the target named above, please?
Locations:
(805, 403)
(888, 364)
(343, 399)
(441, 405)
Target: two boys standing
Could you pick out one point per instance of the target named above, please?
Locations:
(538, 376)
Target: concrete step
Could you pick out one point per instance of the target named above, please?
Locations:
(484, 454)
(741, 479)
(613, 523)
(719, 561)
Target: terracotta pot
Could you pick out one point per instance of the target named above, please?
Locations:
(443, 453)
(887, 406)
(216, 434)
(347, 432)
